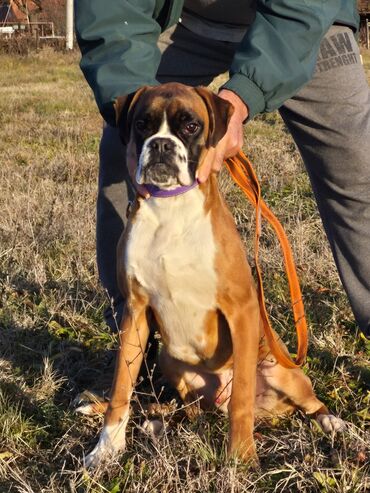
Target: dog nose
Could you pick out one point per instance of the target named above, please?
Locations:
(162, 145)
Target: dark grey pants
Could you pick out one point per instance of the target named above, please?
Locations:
(329, 120)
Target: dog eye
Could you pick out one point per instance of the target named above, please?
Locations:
(191, 128)
(140, 125)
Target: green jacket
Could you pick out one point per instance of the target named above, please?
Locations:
(118, 42)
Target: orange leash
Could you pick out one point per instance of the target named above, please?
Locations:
(245, 177)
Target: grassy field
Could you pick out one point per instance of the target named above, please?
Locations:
(54, 344)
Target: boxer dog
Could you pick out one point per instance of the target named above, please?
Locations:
(181, 258)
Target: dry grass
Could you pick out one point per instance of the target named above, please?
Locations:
(54, 344)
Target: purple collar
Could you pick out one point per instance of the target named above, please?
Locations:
(160, 192)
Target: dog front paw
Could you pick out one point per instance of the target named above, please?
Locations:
(100, 455)
(111, 442)
(330, 423)
(244, 451)
(96, 457)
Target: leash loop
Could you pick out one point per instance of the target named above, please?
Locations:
(242, 172)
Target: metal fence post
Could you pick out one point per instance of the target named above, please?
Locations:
(69, 25)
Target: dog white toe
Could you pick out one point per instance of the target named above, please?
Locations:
(89, 404)
(330, 423)
(153, 427)
(96, 457)
(86, 409)
(102, 453)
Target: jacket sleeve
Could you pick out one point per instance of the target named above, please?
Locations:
(118, 43)
(277, 56)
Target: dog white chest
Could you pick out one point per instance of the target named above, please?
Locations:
(171, 252)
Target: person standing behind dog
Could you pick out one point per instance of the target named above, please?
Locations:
(297, 56)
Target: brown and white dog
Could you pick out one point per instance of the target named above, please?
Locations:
(181, 257)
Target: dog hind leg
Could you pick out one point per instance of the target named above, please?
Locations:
(191, 383)
(296, 389)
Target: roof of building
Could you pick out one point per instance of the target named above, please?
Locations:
(363, 6)
(10, 12)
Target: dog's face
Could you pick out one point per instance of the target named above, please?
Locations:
(170, 127)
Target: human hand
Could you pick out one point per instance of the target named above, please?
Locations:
(231, 142)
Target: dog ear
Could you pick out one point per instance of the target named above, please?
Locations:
(123, 106)
(219, 113)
